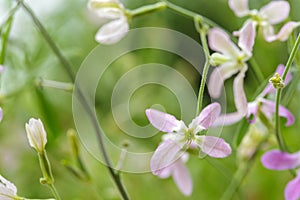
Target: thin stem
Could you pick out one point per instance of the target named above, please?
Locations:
(202, 30)
(258, 73)
(68, 67)
(147, 9)
(292, 56)
(54, 192)
(55, 84)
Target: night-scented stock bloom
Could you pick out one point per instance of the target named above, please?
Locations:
(8, 190)
(278, 160)
(229, 60)
(36, 134)
(166, 158)
(114, 12)
(273, 13)
(266, 106)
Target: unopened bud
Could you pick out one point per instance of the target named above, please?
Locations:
(277, 81)
(36, 134)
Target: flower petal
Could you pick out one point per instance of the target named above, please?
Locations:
(239, 7)
(278, 160)
(292, 189)
(268, 32)
(163, 121)
(165, 155)
(7, 188)
(228, 119)
(2, 69)
(268, 107)
(207, 116)
(219, 41)
(218, 76)
(106, 9)
(286, 30)
(1, 114)
(240, 99)
(252, 112)
(247, 37)
(182, 178)
(214, 146)
(276, 11)
(113, 31)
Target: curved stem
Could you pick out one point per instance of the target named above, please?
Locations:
(54, 192)
(68, 67)
(147, 9)
(202, 30)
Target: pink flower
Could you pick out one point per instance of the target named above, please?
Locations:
(265, 105)
(278, 160)
(180, 137)
(273, 13)
(232, 60)
(1, 114)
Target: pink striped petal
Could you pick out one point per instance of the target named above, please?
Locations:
(214, 146)
(207, 116)
(247, 37)
(218, 76)
(219, 41)
(276, 11)
(252, 112)
(286, 30)
(163, 121)
(165, 155)
(268, 107)
(239, 7)
(228, 119)
(278, 160)
(182, 178)
(292, 189)
(239, 94)
(1, 114)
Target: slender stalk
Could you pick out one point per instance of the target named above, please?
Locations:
(68, 67)
(258, 73)
(147, 9)
(202, 30)
(291, 58)
(54, 192)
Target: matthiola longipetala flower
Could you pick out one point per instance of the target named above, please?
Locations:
(8, 190)
(273, 13)
(180, 137)
(278, 160)
(231, 60)
(114, 12)
(36, 134)
(266, 106)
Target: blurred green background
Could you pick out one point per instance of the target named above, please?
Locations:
(72, 28)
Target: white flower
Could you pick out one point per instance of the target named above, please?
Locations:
(8, 190)
(117, 27)
(36, 134)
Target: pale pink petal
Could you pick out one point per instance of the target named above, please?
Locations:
(214, 146)
(207, 116)
(239, 7)
(162, 121)
(182, 178)
(239, 94)
(276, 11)
(268, 107)
(247, 37)
(218, 76)
(292, 189)
(269, 88)
(113, 31)
(228, 119)
(165, 155)
(1, 114)
(2, 69)
(286, 30)
(219, 41)
(268, 32)
(278, 160)
(7, 189)
(106, 9)
(166, 172)
(252, 112)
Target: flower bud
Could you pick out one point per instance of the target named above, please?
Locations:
(36, 134)
(277, 81)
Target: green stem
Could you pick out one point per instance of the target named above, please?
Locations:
(68, 67)
(258, 73)
(202, 30)
(5, 37)
(147, 9)
(291, 58)
(54, 192)
(55, 84)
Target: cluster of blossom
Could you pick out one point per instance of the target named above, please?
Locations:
(230, 60)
